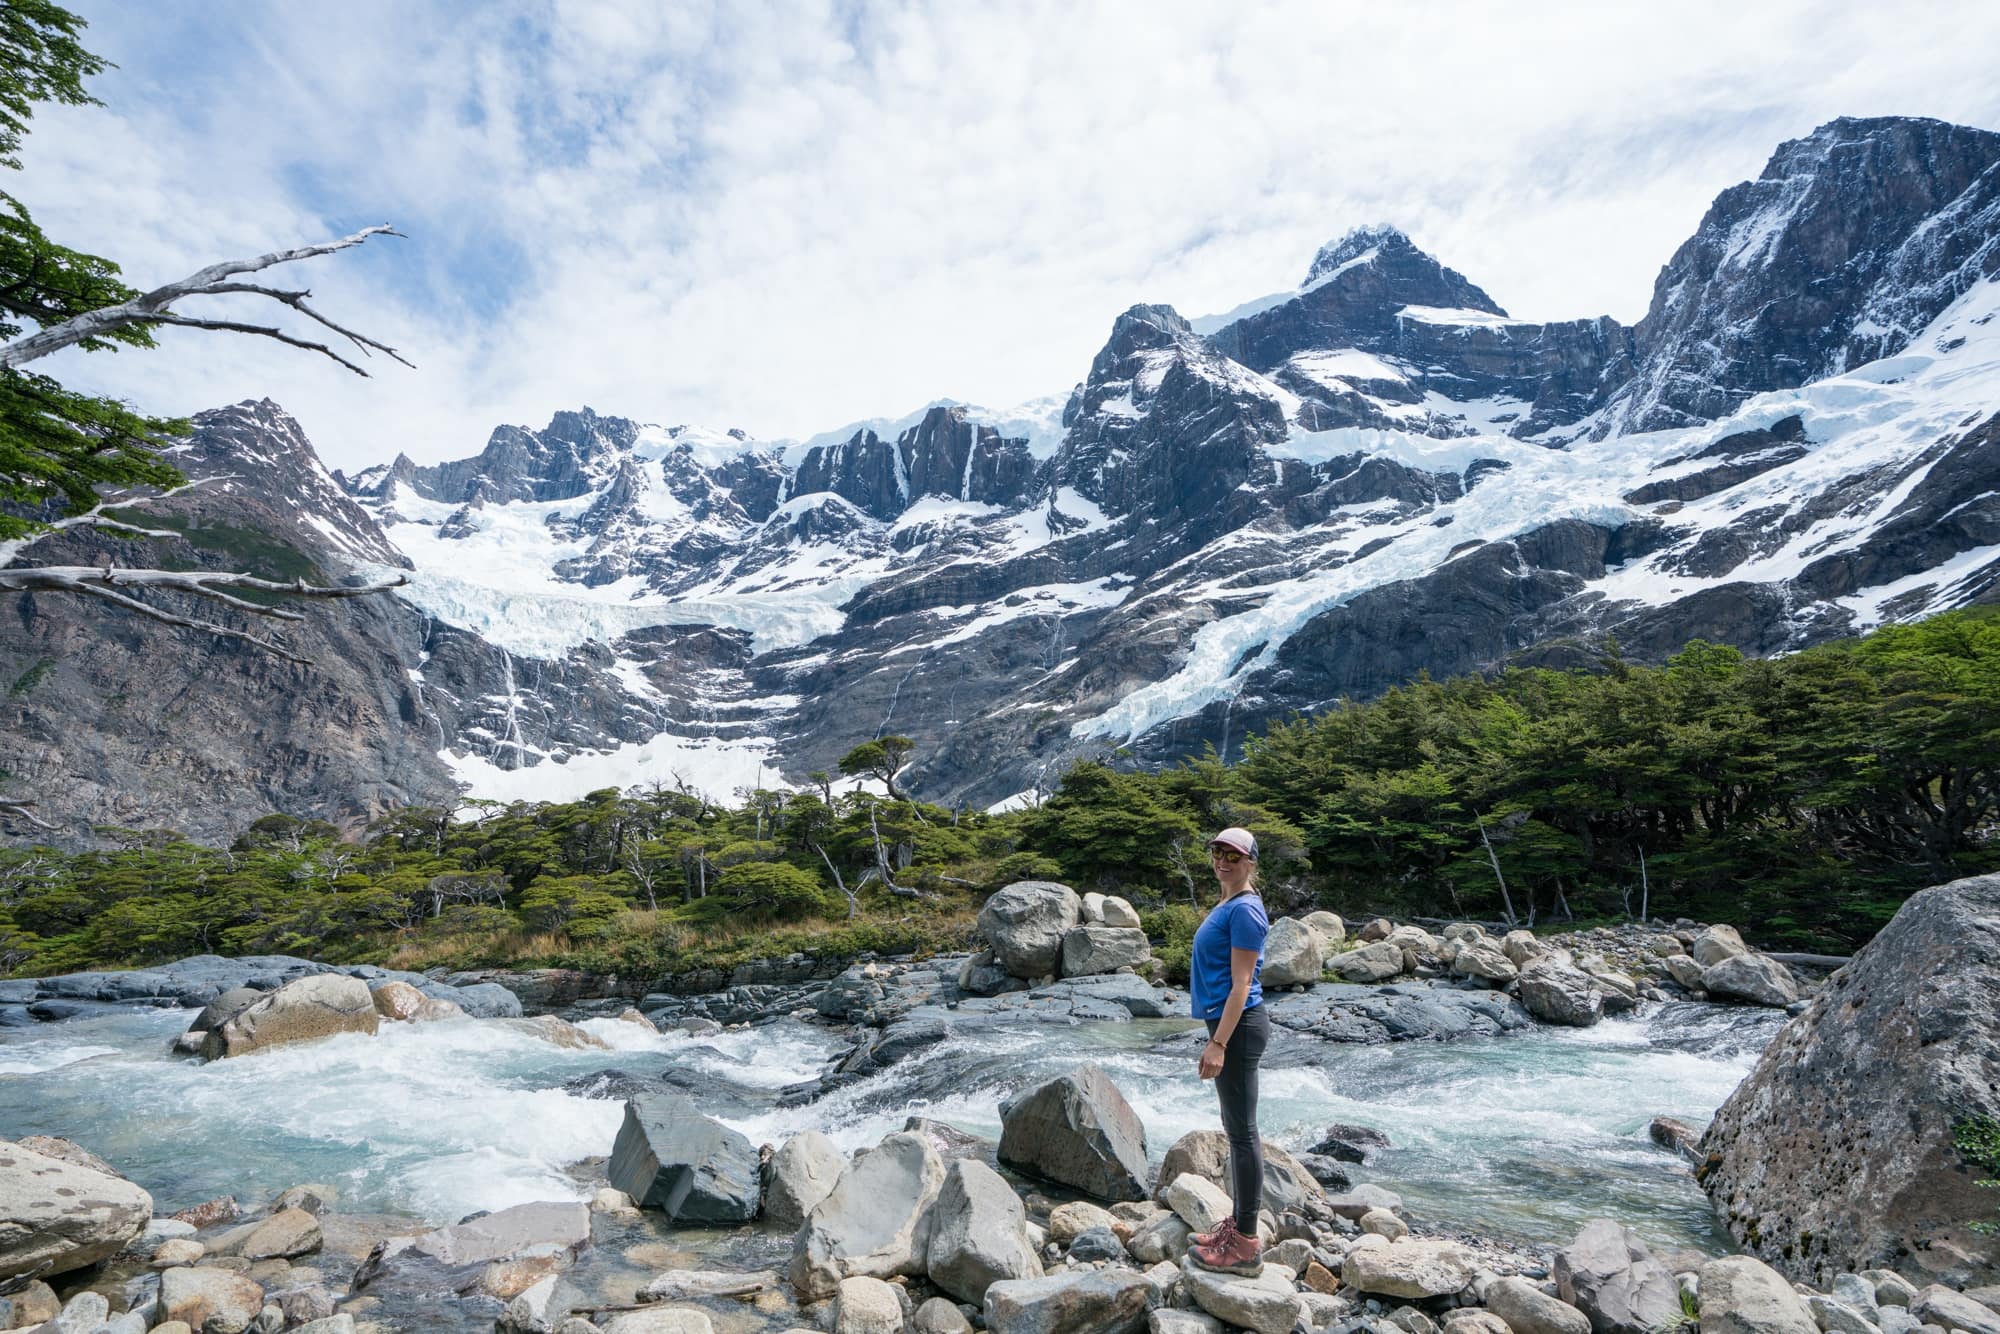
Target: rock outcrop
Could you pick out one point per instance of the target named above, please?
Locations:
(311, 1007)
(1837, 1152)
(1025, 923)
(57, 1215)
(1079, 1130)
(670, 1157)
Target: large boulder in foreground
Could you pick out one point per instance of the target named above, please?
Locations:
(1556, 993)
(875, 1222)
(57, 1215)
(1294, 954)
(1089, 950)
(692, 1168)
(1836, 1153)
(1079, 1130)
(1205, 1153)
(1740, 1294)
(1100, 1301)
(311, 1007)
(1025, 924)
(979, 1233)
(1610, 1276)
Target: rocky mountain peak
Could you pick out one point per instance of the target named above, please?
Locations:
(1359, 243)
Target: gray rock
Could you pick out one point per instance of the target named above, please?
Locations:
(1684, 970)
(1077, 1129)
(1610, 1275)
(1757, 978)
(1529, 1310)
(1483, 958)
(1352, 1204)
(1293, 954)
(1351, 1144)
(680, 1285)
(299, 1011)
(1200, 1203)
(1717, 943)
(864, 1305)
(1096, 1301)
(1098, 1244)
(1165, 1238)
(1025, 924)
(1556, 993)
(1834, 1316)
(56, 1215)
(981, 975)
(978, 1233)
(1843, 1132)
(1891, 1288)
(1897, 1320)
(488, 1000)
(1331, 930)
(1266, 1303)
(1119, 912)
(1205, 1153)
(1740, 1294)
(1855, 1291)
(940, 1315)
(214, 1301)
(694, 1169)
(1166, 1320)
(875, 1221)
(674, 1320)
(1090, 950)
(800, 1174)
(1376, 962)
(1939, 1305)
(1409, 1268)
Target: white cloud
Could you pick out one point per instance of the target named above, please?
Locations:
(789, 215)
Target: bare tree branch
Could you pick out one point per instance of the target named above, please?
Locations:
(95, 517)
(18, 809)
(153, 307)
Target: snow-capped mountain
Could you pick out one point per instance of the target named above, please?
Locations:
(1319, 495)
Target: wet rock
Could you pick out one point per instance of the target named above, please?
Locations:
(1757, 978)
(209, 1213)
(982, 975)
(1717, 943)
(680, 1285)
(694, 1169)
(456, 1256)
(1327, 1171)
(1558, 994)
(674, 1320)
(313, 1197)
(1097, 1301)
(1293, 954)
(1673, 1133)
(56, 1216)
(1351, 1144)
(1266, 1303)
(300, 1011)
(557, 1032)
(1376, 962)
(951, 1142)
(1079, 1130)
(1408, 1268)
(284, 1234)
(800, 1174)
(397, 1000)
(875, 1221)
(979, 1233)
(1205, 1153)
(487, 1000)
(213, 1301)
(1529, 1310)
(1613, 1278)
(1740, 1294)
(1025, 924)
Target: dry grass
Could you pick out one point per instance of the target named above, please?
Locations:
(417, 952)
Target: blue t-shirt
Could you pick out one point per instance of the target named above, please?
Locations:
(1239, 924)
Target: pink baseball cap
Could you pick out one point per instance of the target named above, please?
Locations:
(1242, 840)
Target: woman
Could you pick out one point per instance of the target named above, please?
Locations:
(1227, 993)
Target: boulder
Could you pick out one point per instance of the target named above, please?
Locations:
(1556, 993)
(397, 1000)
(1377, 962)
(56, 1216)
(1409, 1268)
(1355, 1202)
(978, 1233)
(1383, 1223)
(284, 1234)
(224, 1007)
(1205, 1153)
(1293, 954)
(1165, 1238)
(1077, 1129)
(1090, 950)
(940, 1315)
(541, 1228)
(1120, 912)
(864, 1305)
(1267, 1303)
(1837, 1317)
(1025, 924)
(694, 1169)
(436, 1009)
(875, 1221)
(1740, 1294)
(1610, 1275)
(1069, 1221)
(1351, 1144)
(1522, 948)
(1377, 929)
(301, 1011)
(1717, 943)
(1200, 1203)
(1088, 1301)
(1683, 969)
(1100, 1244)
(981, 975)
(214, 1301)
(1093, 909)
(487, 1000)
(1939, 1305)
(1529, 1310)
(673, 1320)
(1328, 927)
(1837, 1152)
(801, 1173)
(1757, 978)
(1483, 959)
(314, 1197)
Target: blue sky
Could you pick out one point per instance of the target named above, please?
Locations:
(786, 216)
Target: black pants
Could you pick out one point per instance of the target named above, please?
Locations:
(1236, 1087)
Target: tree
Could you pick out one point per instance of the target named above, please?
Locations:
(67, 457)
(881, 758)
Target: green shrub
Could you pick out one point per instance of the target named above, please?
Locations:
(1026, 866)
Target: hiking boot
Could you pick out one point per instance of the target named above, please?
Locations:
(1230, 1252)
(1216, 1235)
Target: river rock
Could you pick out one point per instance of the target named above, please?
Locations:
(1610, 1275)
(463, 1250)
(1757, 978)
(1089, 950)
(300, 1011)
(1474, 1320)
(1529, 1310)
(1556, 993)
(1891, 1288)
(680, 1285)
(1332, 932)
(1025, 924)
(177, 1251)
(214, 1301)
(1939, 1305)
(1200, 1202)
(1383, 1223)
(284, 1234)
(1069, 1221)
(1164, 1238)
(557, 1032)
(1717, 943)
(978, 1233)
(1377, 962)
(1670, 1132)
(1837, 1317)
(1287, 1184)
(1293, 954)
(940, 1315)
(1843, 1132)
(1077, 1129)
(314, 1197)
(1267, 1303)
(694, 1169)
(1351, 1144)
(1482, 958)
(875, 1221)
(1100, 1244)
(673, 1320)
(1522, 948)
(1683, 969)
(56, 1216)
(1354, 1203)
(397, 1000)
(1410, 1268)
(801, 1173)
(982, 975)
(1740, 1294)
(1093, 1301)
(1120, 912)
(864, 1305)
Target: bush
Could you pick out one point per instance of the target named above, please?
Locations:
(1026, 866)
(1171, 929)
(765, 891)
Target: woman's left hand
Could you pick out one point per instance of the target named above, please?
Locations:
(1211, 1060)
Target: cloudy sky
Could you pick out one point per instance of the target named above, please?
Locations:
(791, 215)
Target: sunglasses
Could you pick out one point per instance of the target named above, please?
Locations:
(1230, 855)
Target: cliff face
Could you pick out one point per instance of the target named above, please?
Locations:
(1324, 495)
